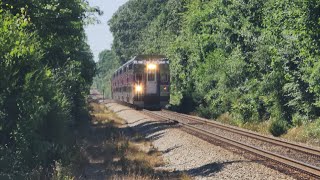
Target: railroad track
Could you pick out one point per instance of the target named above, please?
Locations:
(304, 149)
(190, 123)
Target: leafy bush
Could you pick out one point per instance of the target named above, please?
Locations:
(206, 112)
(298, 119)
(313, 130)
(278, 127)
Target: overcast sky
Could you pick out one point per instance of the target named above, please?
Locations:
(99, 35)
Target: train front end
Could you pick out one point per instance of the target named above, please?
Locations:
(152, 82)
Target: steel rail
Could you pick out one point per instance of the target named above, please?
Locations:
(297, 147)
(294, 164)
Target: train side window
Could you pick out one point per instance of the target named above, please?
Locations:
(164, 77)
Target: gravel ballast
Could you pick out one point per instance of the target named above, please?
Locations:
(287, 152)
(183, 152)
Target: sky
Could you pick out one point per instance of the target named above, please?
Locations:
(99, 35)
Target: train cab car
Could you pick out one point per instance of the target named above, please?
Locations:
(144, 81)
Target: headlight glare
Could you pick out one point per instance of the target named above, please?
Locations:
(151, 66)
(138, 88)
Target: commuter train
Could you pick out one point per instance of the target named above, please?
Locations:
(144, 82)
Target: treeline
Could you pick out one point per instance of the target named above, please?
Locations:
(46, 70)
(107, 64)
(257, 60)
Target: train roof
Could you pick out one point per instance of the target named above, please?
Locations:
(142, 57)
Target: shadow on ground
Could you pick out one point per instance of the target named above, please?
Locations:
(210, 169)
(152, 130)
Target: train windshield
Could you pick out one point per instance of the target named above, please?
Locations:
(139, 77)
(151, 75)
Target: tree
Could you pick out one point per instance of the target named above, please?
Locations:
(106, 66)
(256, 60)
(46, 70)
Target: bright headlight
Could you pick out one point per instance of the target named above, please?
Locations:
(151, 66)
(138, 88)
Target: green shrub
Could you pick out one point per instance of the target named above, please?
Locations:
(298, 119)
(245, 110)
(204, 112)
(278, 127)
(313, 130)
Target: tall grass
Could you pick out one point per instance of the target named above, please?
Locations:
(308, 132)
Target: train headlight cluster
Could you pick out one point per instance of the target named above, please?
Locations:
(138, 88)
(151, 66)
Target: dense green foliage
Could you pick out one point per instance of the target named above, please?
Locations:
(46, 70)
(257, 60)
(106, 66)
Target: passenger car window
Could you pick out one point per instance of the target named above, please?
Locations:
(164, 77)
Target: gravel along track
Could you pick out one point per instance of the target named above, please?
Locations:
(300, 156)
(313, 159)
(186, 153)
